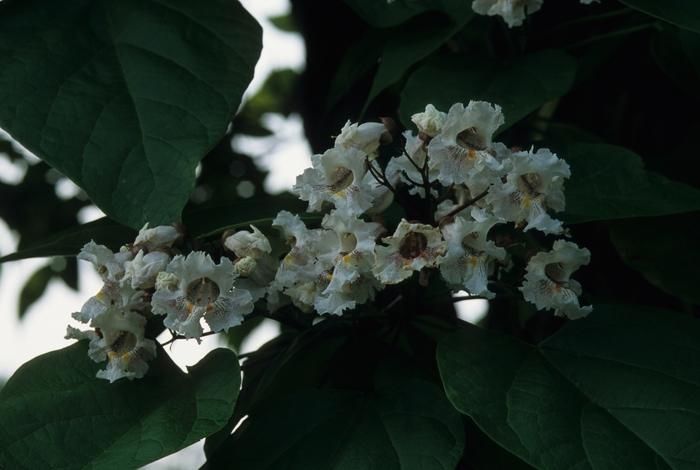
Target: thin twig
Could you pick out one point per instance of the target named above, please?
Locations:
(176, 337)
(464, 205)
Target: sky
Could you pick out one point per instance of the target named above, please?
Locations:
(285, 155)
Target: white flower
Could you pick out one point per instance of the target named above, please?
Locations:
(411, 248)
(307, 269)
(430, 121)
(204, 289)
(534, 185)
(248, 244)
(112, 295)
(512, 11)
(340, 177)
(548, 282)
(462, 153)
(157, 238)
(110, 266)
(364, 137)
(118, 337)
(470, 256)
(351, 253)
(141, 271)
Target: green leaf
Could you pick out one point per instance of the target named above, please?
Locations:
(34, 288)
(209, 221)
(677, 53)
(407, 46)
(541, 77)
(609, 182)
(679, 12)
(125, 97)
(382, 14)
(56, 414)
(70, 241)
(405, 426)
(619, 389)
(665, 252)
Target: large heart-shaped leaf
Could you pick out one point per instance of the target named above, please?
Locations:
(619, 389)
(609, 182)
(125, 96)
(54, 412)
(679, 12)
(402, 427)
(444, 81)
(664, 251)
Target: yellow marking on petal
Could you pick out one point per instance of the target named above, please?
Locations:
(100, 295)
(112, 355)
(189, 307)
(474, 261)
(471, 154)
(527, 202)
(347, 258)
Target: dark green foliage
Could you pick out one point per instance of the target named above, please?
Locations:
(56, 414)
(541, 76)
(125, 98)
(615, 390)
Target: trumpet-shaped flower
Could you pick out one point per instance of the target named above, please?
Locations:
(470, 255)
(340, 177)
(112, 295)
(200, 289)
(512, 11)
(534, 185)
(411, 248)
(157, 238)
(141, 271)
(430, 121)
(118, 338)
(253, 244)
(462, 153)
(351, 253)
(364, 137)
(109, 265)
(307, 268)
(548, 282)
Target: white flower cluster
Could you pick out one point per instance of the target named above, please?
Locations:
(513, 12)
(480, 184)
(450, 176)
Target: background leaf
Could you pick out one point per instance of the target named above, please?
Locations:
(679, 12)
(125, 97)
(664, 250)
(542, 76)
(381, 14)
(609, 182)
(408, 45)
(34, 288)
(405, 426)
(70, 241)
(618, 389)
(56, 414)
